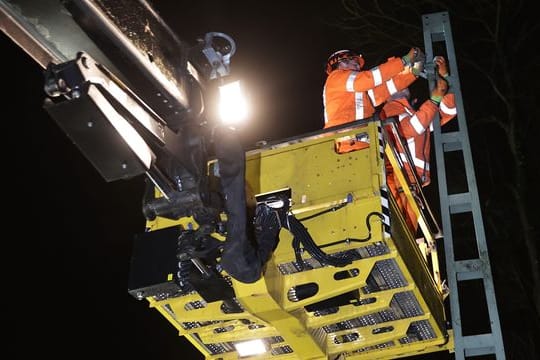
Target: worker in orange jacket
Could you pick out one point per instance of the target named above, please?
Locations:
(415, 127)
(352, 94)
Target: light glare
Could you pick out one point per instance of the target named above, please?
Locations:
(233, 106)
(250, 347)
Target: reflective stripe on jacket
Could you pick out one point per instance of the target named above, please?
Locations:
(413, 126)
(353, 95)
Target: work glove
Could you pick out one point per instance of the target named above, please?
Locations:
(414, 55)
(417, 68)
(441, 88)
(442, 67)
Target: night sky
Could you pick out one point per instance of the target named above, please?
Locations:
(73, 231)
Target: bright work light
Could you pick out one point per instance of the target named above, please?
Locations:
(250, 347)
(233, 108)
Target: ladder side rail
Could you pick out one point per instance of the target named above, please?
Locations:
(437, 28)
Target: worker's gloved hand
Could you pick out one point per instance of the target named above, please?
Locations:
(417, 68)
(414, 55)
(442, 67)
(441, 88)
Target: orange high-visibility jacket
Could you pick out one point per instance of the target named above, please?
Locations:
(353, 95)
(416, 126)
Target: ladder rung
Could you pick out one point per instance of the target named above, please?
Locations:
(469, 269)
(459, 203)
(480, 344)
(437, 36)
(451, 141)
(434, 23)
(480, 351)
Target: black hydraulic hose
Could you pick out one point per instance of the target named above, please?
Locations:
(298, 252)
(302, 235)
(333, 208)
(368, 225)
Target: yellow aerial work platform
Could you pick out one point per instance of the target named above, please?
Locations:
(386, 303)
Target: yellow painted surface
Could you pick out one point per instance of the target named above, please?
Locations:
(385, 304)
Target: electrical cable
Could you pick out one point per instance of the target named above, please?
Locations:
(301, 235)
(333, 208)
(358, 240)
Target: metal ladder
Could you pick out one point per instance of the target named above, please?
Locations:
(476, 269)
